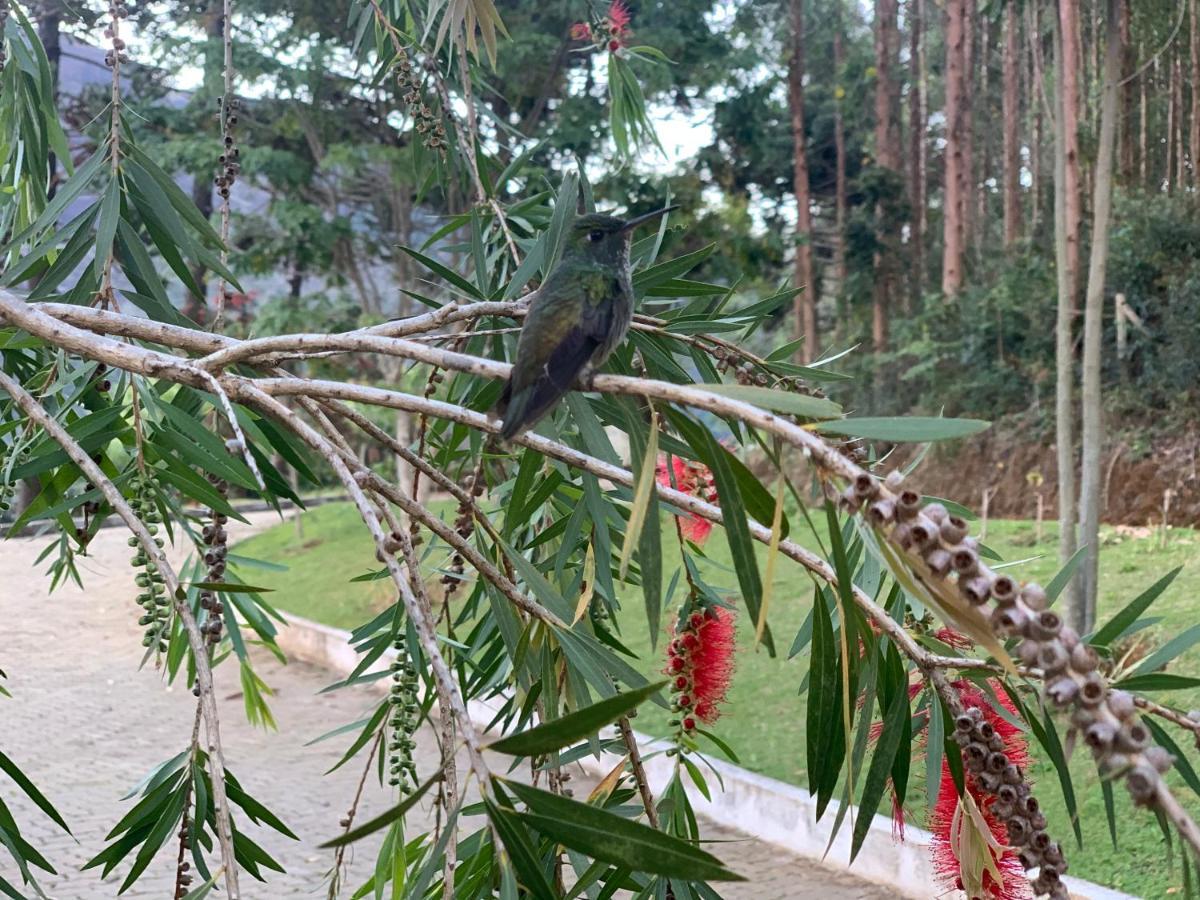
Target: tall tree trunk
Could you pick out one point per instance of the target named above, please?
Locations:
(979, 233)
(916, 144)
(1012, 141)
(806, 300)
(1125, 126)
(887, 155)
(202, 184)
(1066, 246)
(1083, 615)
(969, 179)
(1143, 140)
(839, 149)
(1172, 113)
(952, 231)
(1194, 137)
(1036, 103)
(1177, 102)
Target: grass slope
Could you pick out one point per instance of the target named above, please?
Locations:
(764, 719)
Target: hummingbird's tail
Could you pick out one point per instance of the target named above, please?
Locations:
(523, 409)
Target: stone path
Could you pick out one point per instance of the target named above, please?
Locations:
(87, 726)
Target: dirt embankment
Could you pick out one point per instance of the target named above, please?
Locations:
(1136, 479)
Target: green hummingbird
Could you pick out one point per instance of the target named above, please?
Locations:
(577, 318)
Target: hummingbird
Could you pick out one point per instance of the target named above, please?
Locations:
(579, 315)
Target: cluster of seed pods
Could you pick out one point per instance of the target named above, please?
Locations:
(216, 550)
(939, 546)
(231, 167)
(402, 770)
(116, 54)
(425, 121)
(153, 599)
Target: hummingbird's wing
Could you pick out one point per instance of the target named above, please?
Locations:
(571, 320)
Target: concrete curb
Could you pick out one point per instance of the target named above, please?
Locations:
(773, 811)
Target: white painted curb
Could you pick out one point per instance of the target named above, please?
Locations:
(773, 811)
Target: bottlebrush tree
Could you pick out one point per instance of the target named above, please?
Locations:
(158, 422)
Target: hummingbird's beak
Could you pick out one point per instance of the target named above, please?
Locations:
(647, 217)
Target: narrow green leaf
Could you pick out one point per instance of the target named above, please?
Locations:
(1118, 624)
(1064, 575)
(565, 731)
(778, 401)
(1168, 651)
(615, 839)
(31, 791)
(895, 721)
(384, 819)
(906, 429)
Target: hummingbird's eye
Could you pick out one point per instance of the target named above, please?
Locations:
(594, 236)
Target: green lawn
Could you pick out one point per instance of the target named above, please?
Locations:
(764, 719)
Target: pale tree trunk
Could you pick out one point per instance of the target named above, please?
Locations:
(1066, 247)
(887, 155)
(967, 173)
(1177, 101)
(1012, 141)
(1169, 169)
(916, 144)
(1143, 149)
(806, 300)
(1083, 615)
(839, 142)
(1194, 137)
(952, 233)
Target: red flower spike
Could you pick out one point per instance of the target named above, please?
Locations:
(689, 724)
(952, 638)
(619, 16)
(692, 478)
(702, 658)
(970, 842)
(581, 31)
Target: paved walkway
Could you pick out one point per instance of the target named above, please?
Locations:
(86, 726)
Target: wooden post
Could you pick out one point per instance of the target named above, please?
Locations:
(1041, 509)
(1122, 326)
(983, 512)
(1166, 513)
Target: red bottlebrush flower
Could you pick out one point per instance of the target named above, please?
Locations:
(619, 16)
(702, 661)
(581, 31)
(970, 842)
(952, 638)
(691, 478)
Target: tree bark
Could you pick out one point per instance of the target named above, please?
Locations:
(887, 155)
(1194, 138)
(1012, 142)
(1083, 615)
(1143, 150)
(1177, 101)
(1172, 115)
(967, 173)
(806, 301)
(1125, 126)
(839, 141)
(202, 184)
(952, 231)
(916, 145)
(980, 218)
(1066, 246)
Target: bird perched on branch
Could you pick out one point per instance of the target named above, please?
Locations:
(580, 314)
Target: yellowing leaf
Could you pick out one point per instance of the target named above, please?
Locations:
(608, 782)
(641, 498)
(939, 595)
(772, 559)
(589, 584)
(974, 846)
